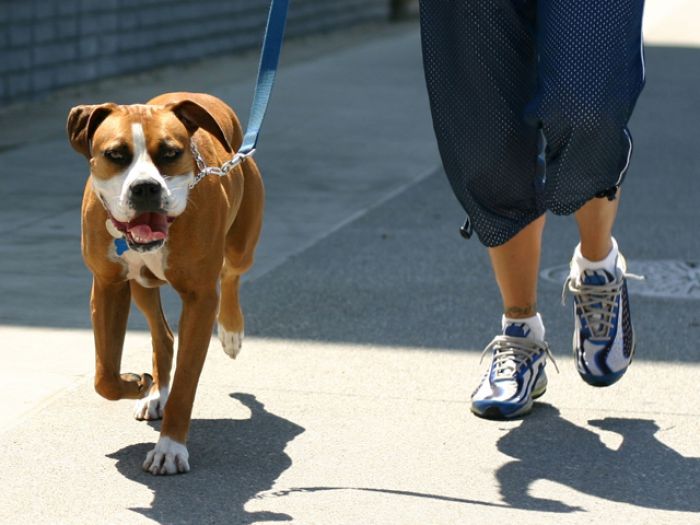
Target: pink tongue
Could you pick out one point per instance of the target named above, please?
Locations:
(143, 234)
(148, 227)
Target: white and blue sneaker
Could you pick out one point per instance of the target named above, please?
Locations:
(603, 340)
(516, 375)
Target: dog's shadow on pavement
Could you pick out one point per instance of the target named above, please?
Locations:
(234, 460)
(642, 472)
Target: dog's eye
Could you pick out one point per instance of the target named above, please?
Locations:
(168, 154)
(118, 156)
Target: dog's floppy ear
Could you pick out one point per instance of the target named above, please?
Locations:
(195, 116)
(83, 122)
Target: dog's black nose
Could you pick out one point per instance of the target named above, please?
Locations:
(146, 196)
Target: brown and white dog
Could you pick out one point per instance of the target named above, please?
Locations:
(143, 226)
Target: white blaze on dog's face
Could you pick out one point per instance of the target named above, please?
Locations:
(141, 168)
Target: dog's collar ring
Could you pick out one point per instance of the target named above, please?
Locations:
(203, 170)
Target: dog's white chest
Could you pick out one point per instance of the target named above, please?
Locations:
(136, 261)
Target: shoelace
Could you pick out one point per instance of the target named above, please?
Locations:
(597, 302)
(511, 353)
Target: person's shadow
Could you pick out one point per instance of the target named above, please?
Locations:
(234, 460)
(642, 472)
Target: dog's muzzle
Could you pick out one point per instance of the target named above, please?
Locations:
(149, 228)
(146, 197)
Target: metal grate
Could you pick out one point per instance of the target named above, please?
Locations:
(667, 279)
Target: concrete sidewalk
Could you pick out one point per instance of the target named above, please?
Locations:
(366, 314)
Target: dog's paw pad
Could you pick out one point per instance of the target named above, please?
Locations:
(230, 341)
(151, 406)
(168, 457)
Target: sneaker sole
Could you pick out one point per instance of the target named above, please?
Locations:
(603, 381)
(496, 412)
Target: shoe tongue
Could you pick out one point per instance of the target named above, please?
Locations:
(517, 330)
(596, 277)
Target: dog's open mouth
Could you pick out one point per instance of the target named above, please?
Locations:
(147, 231)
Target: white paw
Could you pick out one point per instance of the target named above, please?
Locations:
(151, 406)
(168, 457)
(231, 341)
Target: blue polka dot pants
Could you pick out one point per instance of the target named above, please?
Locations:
(530, 101)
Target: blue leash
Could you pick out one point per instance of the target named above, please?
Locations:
(272, 45)
(267, 70)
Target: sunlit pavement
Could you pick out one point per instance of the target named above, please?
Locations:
(366, 314)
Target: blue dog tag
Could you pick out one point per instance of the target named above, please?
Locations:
(121, 245)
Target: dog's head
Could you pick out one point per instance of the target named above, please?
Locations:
(141, 164)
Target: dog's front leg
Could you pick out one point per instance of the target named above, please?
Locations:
(170, 454)
(148, 300)
(110, 311)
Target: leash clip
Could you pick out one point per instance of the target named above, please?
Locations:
(204, 170)
(236, 160)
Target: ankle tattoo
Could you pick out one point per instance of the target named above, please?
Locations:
(527, 310)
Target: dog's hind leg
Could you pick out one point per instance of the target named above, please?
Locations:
(148, 301)
(109, 303)
(241, 240)
(230, 325)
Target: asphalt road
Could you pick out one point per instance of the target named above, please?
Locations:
(366, 314)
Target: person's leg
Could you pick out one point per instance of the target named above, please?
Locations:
(516, 266)
(603, 336)
(584, 110)
(517, 372)
(595, 221)
(480, 67)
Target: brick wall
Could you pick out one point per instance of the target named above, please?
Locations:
(49, 44)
